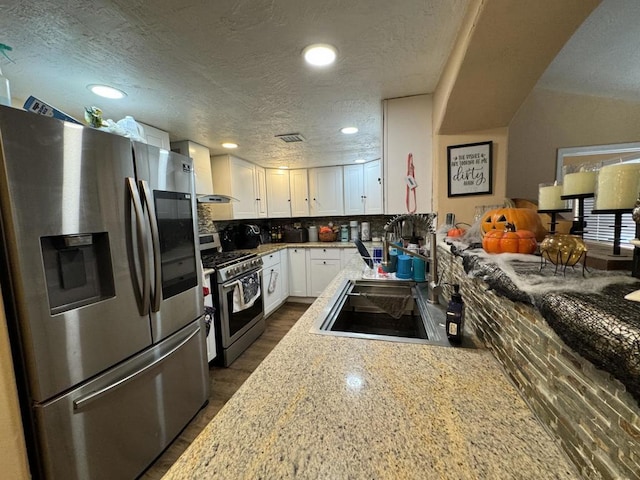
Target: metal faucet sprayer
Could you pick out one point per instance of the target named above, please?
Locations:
(422, 222)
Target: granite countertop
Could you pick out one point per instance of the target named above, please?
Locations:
(321, 406)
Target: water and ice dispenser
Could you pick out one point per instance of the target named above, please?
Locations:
(78, 270)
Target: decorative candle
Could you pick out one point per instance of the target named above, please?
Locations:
(549, 197)
(579, 183)
(618, 186)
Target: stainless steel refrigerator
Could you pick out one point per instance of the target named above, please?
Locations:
(102, 289)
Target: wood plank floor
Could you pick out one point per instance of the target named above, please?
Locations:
(225, 381)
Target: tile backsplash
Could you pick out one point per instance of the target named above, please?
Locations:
(207, 224)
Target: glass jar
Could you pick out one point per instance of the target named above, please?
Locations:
(344, 233)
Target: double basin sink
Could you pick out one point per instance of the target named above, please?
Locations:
(390, 310)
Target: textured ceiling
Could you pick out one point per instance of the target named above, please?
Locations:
(231, 70)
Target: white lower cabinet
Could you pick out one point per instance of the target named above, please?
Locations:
(297, 272)
(323, 265)
(284, 270)
(211, 336)
(272, 278)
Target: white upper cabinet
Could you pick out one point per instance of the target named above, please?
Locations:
(237, 178)
(278, 198)
(261, 191)
(155, 136)
(325, 191)
(363, 189)
(372, 188)
(299, 191)
(353, 190)
(407, 130)
(201, 164)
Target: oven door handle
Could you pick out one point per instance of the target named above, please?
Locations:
(231, 284)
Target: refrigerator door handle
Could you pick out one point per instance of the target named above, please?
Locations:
(142, 294)
(82, 402)
(155, 238)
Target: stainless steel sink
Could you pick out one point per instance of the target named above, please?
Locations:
(383, 310)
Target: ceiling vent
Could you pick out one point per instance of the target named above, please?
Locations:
(291, 137)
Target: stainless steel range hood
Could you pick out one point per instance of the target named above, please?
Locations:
(216, 199)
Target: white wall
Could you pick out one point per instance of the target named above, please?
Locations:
(549, 120)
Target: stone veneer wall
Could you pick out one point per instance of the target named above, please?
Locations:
(596, 421)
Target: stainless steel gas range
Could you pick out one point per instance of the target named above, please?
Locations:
(236, 287)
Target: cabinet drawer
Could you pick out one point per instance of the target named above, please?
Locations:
(270, 259)
(324, 253)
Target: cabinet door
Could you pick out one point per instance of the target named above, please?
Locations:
(156, 137)
(372, 188)
(297, 272)
(325, 189)
(278, 201)
(201, 164)
(407, 128)
(272, 288)
(261, 192)
(299, 190)
(322, 272)
(353, 190)
(284, 269)
(243, 188)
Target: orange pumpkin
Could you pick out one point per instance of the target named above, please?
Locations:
(509, 240)
(521, 218)
(456, 231)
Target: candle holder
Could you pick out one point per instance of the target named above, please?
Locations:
(617, 226)
(578, 222)
(554, 214)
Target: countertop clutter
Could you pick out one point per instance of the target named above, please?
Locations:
(587, 309)
(321, 406)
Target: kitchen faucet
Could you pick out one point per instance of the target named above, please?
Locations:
(425, 222)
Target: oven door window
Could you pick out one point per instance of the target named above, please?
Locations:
(239, 320)
(177, 243)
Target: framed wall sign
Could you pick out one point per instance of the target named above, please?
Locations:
(469, 169)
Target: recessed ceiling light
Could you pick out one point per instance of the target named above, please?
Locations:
(360, 160)
(230, 145)
(349, 130)
(319, 54)
(283, 167)
(106, 91)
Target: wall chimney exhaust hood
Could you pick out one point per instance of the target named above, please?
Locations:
(216, 199)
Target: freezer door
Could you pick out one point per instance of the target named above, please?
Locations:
(64, 195)
(116, 425)
(166, 185)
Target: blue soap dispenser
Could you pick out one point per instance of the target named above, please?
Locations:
(455, 316)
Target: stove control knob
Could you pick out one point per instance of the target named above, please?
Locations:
(232, 271)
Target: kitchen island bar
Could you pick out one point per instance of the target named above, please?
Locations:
(321, 406)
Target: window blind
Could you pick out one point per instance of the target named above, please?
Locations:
(600, 227)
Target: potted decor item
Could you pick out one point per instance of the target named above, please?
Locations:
(520, 218)
(509, 240)
(563, 249)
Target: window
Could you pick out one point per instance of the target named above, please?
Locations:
(600, 227)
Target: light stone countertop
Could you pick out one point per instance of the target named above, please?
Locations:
(325, 407)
